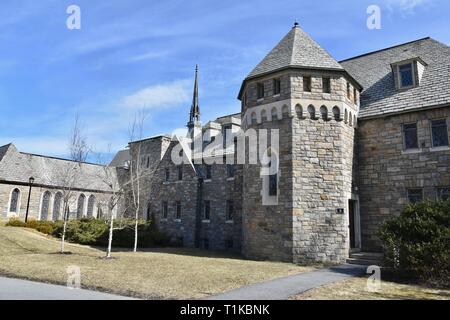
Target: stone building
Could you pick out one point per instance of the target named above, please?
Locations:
(39, 185)
(349, 144)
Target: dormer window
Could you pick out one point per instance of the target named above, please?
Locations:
(408, 73)
(405, 72)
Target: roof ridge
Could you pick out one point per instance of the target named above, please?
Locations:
(384, 49)
(59, 158)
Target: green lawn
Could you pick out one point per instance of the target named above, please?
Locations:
(174, 273)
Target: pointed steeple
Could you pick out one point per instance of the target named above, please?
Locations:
(195, 108)
(194, 125)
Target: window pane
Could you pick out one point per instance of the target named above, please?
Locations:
(415, 195)
(230, 210)
(260, 89)
(410, 134)
(307, 84)
(276, 86)
(406, 75)
(326, 85)
(207, 210)
(443, 193)
(230, 170)
(439, 133)
(14, 200)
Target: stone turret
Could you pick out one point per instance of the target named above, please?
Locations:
(299, 89)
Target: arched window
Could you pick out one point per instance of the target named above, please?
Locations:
(14, 201)
(324, 113)
(336, 114)
(45, 205)
(263, 115)
(57, 205)
(274, 113)
(346, 116)
(80, 206)
(312, 112)
(350, 120)
(299, 111)
(91, 205)
(285, 111)
(254, 119)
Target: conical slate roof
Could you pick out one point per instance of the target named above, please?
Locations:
(296, 50)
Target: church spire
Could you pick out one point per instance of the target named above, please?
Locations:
(194, 125)
(195, 108)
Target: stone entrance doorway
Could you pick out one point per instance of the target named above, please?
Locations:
(354, 224)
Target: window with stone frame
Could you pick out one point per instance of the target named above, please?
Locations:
(406, 75)
(178, 210)
(14, 202)
(45, 206)
(230, 170)
(167, 175)
(439, 133)
(415, 195)
(208, 169)
(348, 91)
(230, 210)
(307, 84)
(273, 183)
(165, 209)
(260, 90)
(207, 210)
(443, 194)
(410, 136)
(326, 85)
(180, 172)
(276, 86)
(80, 206)
(355, 96)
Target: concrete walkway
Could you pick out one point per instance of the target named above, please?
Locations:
(282, 289)
(15, 289)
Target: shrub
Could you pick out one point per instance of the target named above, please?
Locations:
(15, 222)
(418, 241)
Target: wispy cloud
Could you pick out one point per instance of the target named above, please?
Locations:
(148, 56)
(407, 7)
(158, 96)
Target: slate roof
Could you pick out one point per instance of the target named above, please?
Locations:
(380, 96)
(121, 158)
(17, 166)
(296, 49)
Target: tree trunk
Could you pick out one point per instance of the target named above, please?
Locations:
(136, 232)
(63, 237)
(111, 228)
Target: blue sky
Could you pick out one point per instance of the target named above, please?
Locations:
(138, 54)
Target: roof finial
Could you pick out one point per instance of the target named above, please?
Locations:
(295, 24)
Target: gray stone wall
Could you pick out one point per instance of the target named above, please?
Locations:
(386, 171)
(217, 190)
(35, 208)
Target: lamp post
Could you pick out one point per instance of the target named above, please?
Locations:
(31, 181)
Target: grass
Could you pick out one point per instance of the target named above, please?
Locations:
(174, 273)
(356, 289)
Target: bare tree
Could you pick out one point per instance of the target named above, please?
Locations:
(70, 172)
(112, 200)
(136, 170)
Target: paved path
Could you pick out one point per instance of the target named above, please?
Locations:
(282, 289)
(15, 289)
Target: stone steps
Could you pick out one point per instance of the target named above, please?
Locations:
(366, 258)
